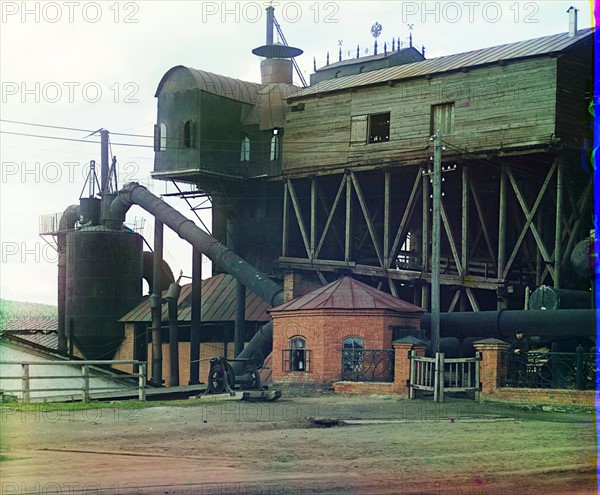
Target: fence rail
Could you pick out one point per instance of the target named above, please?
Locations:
(368, 365)
(84, 390)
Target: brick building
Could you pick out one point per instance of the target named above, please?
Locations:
(329, 330)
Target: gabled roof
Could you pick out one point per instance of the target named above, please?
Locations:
(181, 78)
(347, 293)
(522, 49)
(30, 325)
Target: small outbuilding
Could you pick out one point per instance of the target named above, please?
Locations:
(337, 329)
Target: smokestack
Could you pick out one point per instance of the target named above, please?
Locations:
(270, 18)
(572, 21)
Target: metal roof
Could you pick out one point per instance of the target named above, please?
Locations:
(181, 78)
(49, 340)
(347, 293)
(218, 303)
(512, 51)
(30, 325)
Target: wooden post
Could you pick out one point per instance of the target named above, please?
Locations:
(284, 240)
(313, 217)
(477, 379)
(439, 378)
(142, 381)
(559, 224)
(464, 259)
(425, 303)
(411, 391)
(502, 223)
(386, 219)
(25, 383)
(348, 236)
(85, 391)
(436, 241)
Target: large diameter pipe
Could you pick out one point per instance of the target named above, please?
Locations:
(196, 317)
(261, 344)
(185, 228)
(172, 300)
(156, 304)
(504, 323)
(546, 297)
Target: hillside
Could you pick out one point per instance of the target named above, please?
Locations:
(19, 310)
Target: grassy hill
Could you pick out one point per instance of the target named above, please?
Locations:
(18, 310)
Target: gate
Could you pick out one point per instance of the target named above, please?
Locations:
(441, 375)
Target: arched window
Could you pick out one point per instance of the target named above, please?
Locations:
(274, 148)
(163, 137)
(338, 74)
(352, 355)
(245, 150)
(296, 358)
(362, 69)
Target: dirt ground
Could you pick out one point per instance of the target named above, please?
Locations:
(382, 445)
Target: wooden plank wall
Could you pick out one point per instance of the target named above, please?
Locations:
(499, 106)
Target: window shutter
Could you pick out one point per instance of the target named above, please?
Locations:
(358, 130)
(156, 137)
(182, 134)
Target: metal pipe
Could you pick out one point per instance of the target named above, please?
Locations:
(104, 166)
(156, 304)
(66, 222)
(172, 300)
(240, 319)
(196, 317)
(261, 344)
(503, 323)
(270, 22)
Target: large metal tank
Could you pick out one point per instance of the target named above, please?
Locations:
(104, 281)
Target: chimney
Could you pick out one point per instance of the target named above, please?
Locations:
(572, 21)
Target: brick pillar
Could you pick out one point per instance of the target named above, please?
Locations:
(492, 370)
(291, 285)
(402, 350)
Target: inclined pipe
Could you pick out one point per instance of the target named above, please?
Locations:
(261, 344)
(66, 222)
(504, 323)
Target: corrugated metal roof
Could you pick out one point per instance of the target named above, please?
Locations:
(29, 325)
(347, 293)
(178, 79)
(511, 51)
(218, 303)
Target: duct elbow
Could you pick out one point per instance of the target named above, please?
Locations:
(121, 204)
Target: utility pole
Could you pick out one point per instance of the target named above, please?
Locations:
(436, 241)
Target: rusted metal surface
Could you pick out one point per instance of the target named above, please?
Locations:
(521, 49)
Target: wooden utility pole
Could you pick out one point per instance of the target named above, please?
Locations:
(436, 241)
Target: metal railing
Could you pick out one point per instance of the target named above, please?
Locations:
(368, 365)
(545, 369)
(84, 390)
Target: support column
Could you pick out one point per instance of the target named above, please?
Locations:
(196, 317)
(172, 300)
(402, 349)
(558, 251)
(348, 240)
(240, 319)
(156, 304)
(425, 301)
(502, 232)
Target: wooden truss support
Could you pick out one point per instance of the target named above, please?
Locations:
(313, 217)
(386, 218)
(348, 236)
(529, 214)
(330, 215)
(502, 224)
(284, 240)
(299, 218)
(367, 216)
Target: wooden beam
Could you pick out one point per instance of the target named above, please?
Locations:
(408, 211)
(455, 299)
(585, 198)
(348, 236)
(529, 217)
(502, 223)
(448, 229)
(425, 302)
(330, 214)
(284, 240)
(393, 289)
(322, 277)
(313, 217)
(386, 218)
(299, 217)
(559, 224)
(367, 215)
(482, 221)
(464, 231)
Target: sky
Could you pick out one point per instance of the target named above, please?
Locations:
(81, 66)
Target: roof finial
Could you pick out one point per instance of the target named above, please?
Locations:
(357, 51)
(385, 48)
(393, 44)
(315, 64)
(327, 58)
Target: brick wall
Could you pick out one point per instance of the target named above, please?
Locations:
(538, 396)
(364, 388)
(324, 332)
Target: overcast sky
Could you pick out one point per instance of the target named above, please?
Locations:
(91, 65)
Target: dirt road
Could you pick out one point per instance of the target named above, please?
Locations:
(382, 445)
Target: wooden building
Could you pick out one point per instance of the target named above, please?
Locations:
(330, 178)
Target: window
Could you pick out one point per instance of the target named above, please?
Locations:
(442, 118)
(187, 134)
(160, 137)
(352, 355)
(274, 148)
(297, 357)
(245, 150)
(379, 128)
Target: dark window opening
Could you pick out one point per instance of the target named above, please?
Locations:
(188, 134)
(379, 127)
(297, 357)
(352, 356)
